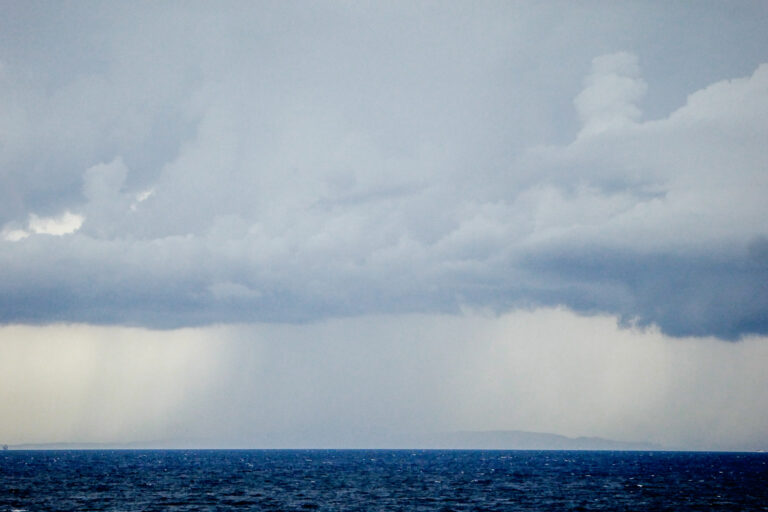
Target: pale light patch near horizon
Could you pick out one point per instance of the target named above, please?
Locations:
(584, 376)
(81, 383)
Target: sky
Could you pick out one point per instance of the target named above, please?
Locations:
(346, 220)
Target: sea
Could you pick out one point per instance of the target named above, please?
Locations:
(379, 480)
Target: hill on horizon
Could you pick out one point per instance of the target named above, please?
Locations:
(456, 440)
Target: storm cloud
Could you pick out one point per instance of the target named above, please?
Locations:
(169, 165)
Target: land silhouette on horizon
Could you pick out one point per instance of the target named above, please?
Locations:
(455, 440)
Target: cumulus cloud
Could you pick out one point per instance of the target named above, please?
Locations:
(611, 92)
(63, 224)
(325, 168)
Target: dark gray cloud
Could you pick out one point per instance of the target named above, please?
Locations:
(691, 295)
(172, 164)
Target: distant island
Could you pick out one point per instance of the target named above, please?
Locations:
(461, 440)
(521, 440)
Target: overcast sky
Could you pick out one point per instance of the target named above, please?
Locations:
(347, 217)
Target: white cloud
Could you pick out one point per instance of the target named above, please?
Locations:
(612, 90)
(692, 181)
(64, 224)
(141, 197)
(14, 235)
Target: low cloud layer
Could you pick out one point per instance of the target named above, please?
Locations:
(284, 164)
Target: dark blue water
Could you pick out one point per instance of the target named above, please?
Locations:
(381, 480)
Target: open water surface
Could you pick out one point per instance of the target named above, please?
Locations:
(362, 480)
